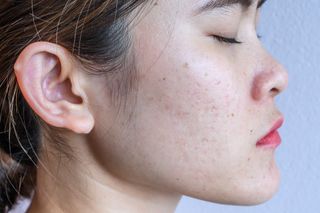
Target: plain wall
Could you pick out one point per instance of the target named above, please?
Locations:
(290, 31)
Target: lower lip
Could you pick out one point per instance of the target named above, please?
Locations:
(272, 140)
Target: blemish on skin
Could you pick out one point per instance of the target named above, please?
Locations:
(178, 179)
(251, 131)
(213, 108)
(167, 107)
(230, 115)
(249, 159)
(186, 65)
(163, 79)
(204, 140)
(155, 4)
(218, 83)
(181, 114)
(205, 74)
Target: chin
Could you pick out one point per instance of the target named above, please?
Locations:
(246, 192)
(255, 192)
(247, 198)
(266, 192)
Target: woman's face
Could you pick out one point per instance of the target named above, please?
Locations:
(201, 106)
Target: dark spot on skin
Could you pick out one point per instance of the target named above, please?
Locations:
(178, 179)
(156, 4)
(186, 65)
(205, 140)
(213, 108)
(150, 98)
(251, 131)
(182, 114)
(163, 79)
(230, 115)
(249, 159)
(206, 74)
(167, 107)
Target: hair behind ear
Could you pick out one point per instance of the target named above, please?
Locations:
(15, 181)
(18, 148)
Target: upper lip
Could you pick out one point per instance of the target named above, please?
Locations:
(276, 126)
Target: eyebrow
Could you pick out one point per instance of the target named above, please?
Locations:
(213, 4)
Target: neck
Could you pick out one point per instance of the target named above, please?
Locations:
(62, 189)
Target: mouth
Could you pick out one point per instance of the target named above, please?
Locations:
(272, 139)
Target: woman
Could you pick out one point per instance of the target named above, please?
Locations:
(125, 106)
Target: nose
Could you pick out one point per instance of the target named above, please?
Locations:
(270, 81)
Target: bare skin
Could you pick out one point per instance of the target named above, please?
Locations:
(201, 106)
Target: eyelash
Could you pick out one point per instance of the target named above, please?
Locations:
(230, 40)
(226, 40)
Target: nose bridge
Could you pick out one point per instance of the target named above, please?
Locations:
(270, 80)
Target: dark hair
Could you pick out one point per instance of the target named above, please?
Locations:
(95, 32)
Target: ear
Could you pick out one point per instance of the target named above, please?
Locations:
(53, 85)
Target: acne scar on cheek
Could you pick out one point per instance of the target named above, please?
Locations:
(150, 98)
(213, 108)
(231, 115)
(182, 114)
(204, 140)
(186, 65)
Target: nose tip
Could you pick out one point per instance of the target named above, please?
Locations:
(280, 82)
(270, 82)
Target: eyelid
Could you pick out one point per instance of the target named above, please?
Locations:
(230, 40)
(226, 39)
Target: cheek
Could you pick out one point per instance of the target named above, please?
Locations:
(188, 105)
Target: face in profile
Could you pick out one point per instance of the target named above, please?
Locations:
(205, 99)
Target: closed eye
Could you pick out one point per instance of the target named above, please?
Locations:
(230, 40)
(226, 40)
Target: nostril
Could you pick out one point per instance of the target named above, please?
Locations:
(274, 91)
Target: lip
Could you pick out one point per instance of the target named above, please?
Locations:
(272, 139)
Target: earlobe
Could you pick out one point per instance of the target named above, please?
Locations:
(50, 82)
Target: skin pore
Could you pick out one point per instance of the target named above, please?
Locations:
(205, 97)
